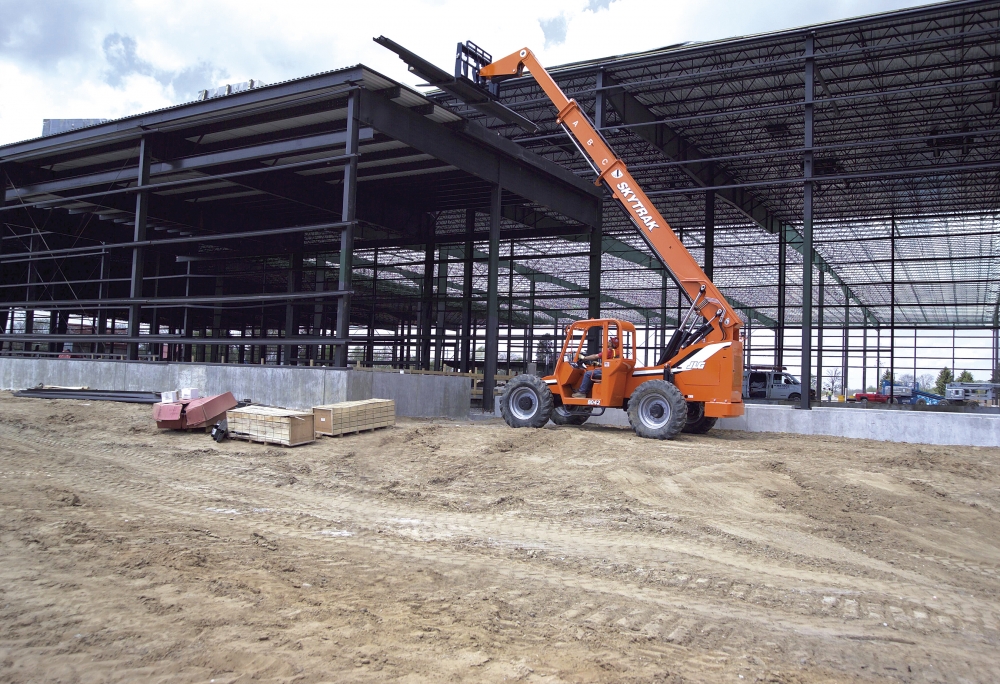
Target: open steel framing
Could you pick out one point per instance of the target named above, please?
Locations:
(345, 218)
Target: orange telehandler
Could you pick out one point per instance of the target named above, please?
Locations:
(699, 377)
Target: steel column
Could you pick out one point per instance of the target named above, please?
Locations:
(779, 332)
(594, 286)
(370, 347)
(139, 253)
(492, 304)
(427, 300)
(347, 236)
(819, 338)
(807, 227)
(442, 298)
(845, 345)
(710, 233)
(291, 324)
(319, 309)
(470, 229)
(892, 312)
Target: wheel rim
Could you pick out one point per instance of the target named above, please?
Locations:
(654, 411)
(523, 403)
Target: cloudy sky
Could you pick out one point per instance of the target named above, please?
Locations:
(111, 58)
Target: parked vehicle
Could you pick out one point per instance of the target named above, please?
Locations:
(973, 393)
(899, 394)
(772, 382)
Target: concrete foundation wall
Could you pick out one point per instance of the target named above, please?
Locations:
(294, 387)
(916, 427)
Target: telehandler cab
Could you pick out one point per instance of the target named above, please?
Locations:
(699, 376)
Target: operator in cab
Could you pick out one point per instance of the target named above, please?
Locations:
(594, 374)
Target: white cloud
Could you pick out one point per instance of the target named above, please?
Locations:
(53, 65)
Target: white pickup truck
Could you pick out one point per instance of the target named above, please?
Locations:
(771, 383)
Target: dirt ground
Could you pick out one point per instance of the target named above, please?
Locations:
(444, 551)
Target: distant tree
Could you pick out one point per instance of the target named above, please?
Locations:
(943, 378)
(965, 376)
(834, 382)
(996, 375)
(926, 380)
(887, 376)
(905, 379)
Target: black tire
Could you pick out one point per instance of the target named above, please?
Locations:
(864, 400)
(561, 416)
(794, 396)
(697, 422)
(532, 402)
(657, 410)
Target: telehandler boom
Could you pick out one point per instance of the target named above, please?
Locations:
(699, 377)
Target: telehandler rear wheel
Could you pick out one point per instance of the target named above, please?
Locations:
(657, 410)
(563, 416)
(526, 402)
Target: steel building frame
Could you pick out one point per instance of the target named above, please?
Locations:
(346, 218)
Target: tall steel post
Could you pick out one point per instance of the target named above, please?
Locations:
(319, 308)
(492, 303)
(427, 299)
(347, 236)
(779, 333)
(710, 234)
(892, 312)
(442, 303)
(5, 313)
(594, 285)
(291, 322)
(819, 337)
(807, 226)
(845, 344)
(596, 232)
(370, 347)
(139, 253)
(470, 229)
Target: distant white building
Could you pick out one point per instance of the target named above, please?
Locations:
(53, 126)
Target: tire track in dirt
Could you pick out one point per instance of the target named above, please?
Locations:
(312, 516)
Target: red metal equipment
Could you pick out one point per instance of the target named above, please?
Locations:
(193, 413)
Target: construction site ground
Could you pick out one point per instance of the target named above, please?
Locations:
(468, 551)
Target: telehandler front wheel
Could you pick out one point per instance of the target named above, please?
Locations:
(657, 410)
(526, 402)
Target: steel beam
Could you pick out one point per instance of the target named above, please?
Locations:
(487, 156)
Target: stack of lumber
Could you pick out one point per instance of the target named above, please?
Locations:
(271, 425)
(354, 416)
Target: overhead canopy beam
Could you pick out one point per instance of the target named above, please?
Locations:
(189, 164)
(489, 157)
(711, 174)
